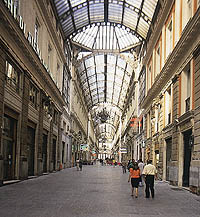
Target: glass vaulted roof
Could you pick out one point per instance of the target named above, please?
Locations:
(105, 33)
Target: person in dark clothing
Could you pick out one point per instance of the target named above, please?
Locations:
(80, 165)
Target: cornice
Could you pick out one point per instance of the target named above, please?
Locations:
(182, 52)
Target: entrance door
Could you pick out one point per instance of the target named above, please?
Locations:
(8, 159)
(44, 153)
(187, 157)
(9, 151)
(31, 150)
(54, 154)
(168, 156)
(63, 152)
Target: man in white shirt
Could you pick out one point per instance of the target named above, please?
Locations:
(149, 172)
(141, 167)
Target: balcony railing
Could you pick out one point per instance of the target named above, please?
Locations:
(187, 104)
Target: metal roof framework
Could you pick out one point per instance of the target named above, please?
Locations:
(107, 30)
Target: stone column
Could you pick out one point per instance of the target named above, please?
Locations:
(23, 173)
(2, 87)
(40, 135)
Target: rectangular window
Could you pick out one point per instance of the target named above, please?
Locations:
(168, 106)
(36, 34)
(66, 85)
(13, 75)
(169, 38)
(156, 120)
(186, 89)
(49, 56)
(33, 95)
(149, 75)
(157, 60)
(55, 117)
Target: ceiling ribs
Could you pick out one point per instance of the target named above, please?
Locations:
(105, 11)
(105, 75)
(88, 7)
(87, 80)
(72, 14)
(139, 15)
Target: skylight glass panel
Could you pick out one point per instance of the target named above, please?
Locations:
(99, 60)
(97, 12)
(121, 63)
(136, 3)
(149, 7)
(81, 17)
(110, 77)
(130, 18)
(129, 69)
(143, 28)
(100, 77)
(62, 5)
(111, 59)
(115, 13)
(76, 2)
(92, 79)
(89, 62)
(118, 81)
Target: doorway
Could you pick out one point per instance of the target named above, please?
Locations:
(54, 154)
(31, 150)
(44, 152)
(9, 148)
(187, 157)
(168, 157)
(63, 152)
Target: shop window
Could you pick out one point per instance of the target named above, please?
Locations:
(33, 93)
(13, 76)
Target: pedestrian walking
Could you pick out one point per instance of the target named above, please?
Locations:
(124, 167)
(80, 165)
(135, 178)
(141, 167)
(77, 165)
(149, 172)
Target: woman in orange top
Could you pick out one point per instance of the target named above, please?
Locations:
(135, 178)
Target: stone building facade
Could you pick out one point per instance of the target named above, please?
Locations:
(171, 98)
(32, 101)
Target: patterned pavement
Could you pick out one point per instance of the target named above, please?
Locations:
(97, 191)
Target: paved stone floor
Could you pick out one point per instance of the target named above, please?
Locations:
(97, 191)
